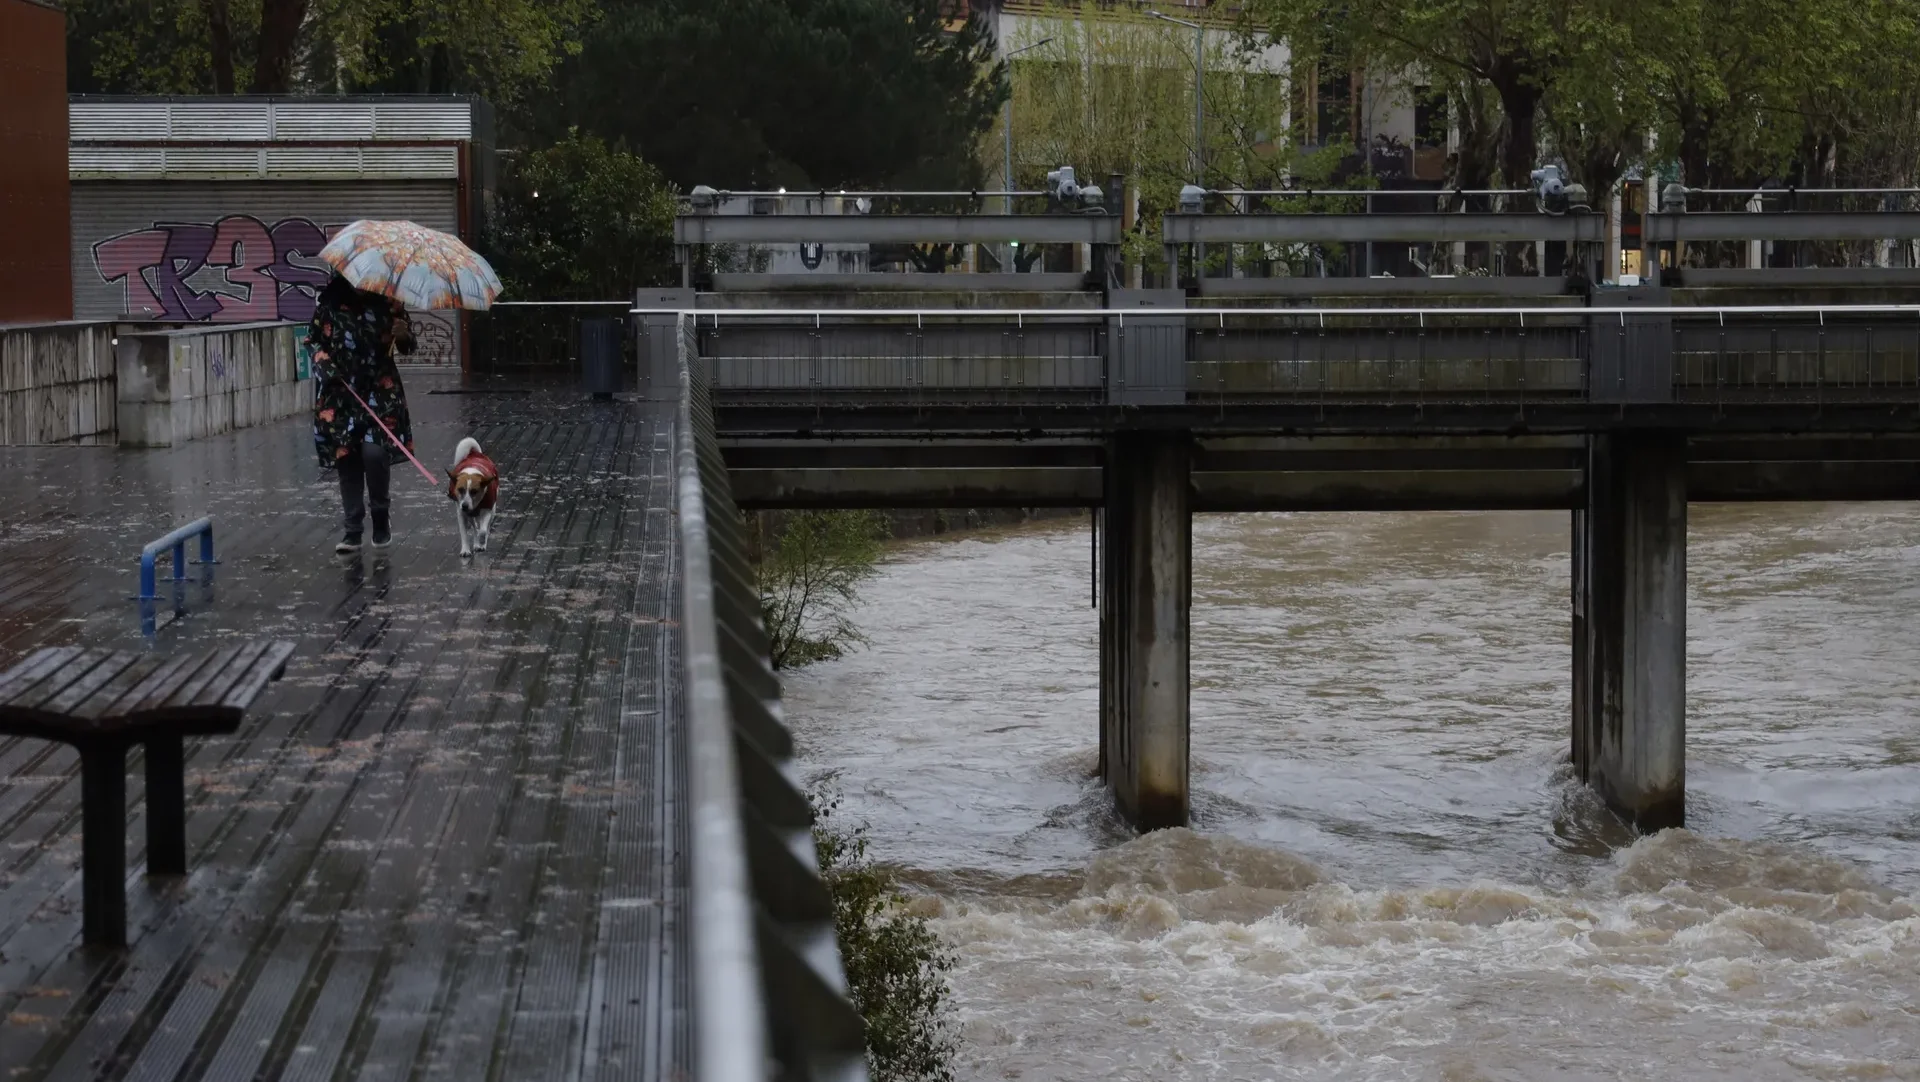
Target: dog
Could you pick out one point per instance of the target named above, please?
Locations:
(474, 487)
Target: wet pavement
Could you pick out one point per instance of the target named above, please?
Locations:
(445, 844)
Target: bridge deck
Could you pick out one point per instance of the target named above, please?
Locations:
(448, 845)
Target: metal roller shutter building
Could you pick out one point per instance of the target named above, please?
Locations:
(212, 209)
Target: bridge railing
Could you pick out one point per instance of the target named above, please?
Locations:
(769, 996)
(1136, 356)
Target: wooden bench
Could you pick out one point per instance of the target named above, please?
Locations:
(104, 701)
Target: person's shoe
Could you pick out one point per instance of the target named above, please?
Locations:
(348, 545)
(382, 533)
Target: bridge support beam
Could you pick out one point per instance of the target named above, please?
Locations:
(1630, 628)
(1145, 603)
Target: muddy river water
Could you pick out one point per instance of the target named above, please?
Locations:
(1390, 874)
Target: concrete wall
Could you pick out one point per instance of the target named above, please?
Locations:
(181, 385)
(56, 384)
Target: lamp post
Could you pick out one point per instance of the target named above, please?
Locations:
(1006, 255)
(1199, 126)
(1199, 97)
(1009, 124)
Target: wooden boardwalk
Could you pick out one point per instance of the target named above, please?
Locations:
(448, 845)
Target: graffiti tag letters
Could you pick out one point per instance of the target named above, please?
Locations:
(236, 270)
(432, 341)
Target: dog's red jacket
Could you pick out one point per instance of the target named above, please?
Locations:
(484, 466)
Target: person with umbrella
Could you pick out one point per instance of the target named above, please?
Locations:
(360, 407)
(353, 335)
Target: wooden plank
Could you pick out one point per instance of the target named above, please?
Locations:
(206, 690)
(36, 666)
(159, 692)
(29, 700)
(169, 673)
(100, 676)
(265, 669)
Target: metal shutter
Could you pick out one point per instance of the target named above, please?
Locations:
(126, 235)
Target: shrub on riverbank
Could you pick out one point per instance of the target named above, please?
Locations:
(896, 965)
(809, 566)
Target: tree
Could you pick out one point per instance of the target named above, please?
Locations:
(493, 47)
(797, 93)
(1601, 111)
(1113, 93)
(580, 220)
(1751, 89)
(498, 48)
(1517, 47)
(155, 47)
(896, 965)
(809, 566)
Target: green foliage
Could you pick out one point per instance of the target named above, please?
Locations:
(497, 48)
(799, 93)
(581, 221)
(151, 47)
(809, 566)
(1114, 94)
(502, 49)
(1821, 92)
(1515, 47)
(896, 965)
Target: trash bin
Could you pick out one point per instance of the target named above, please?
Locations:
(600, 355)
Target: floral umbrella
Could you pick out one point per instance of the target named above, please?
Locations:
(419, 267)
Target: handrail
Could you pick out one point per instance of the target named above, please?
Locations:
(769, 997)
(844, 193)
(177, 541)
(702, 229)
(730, 1038)
(716, 315)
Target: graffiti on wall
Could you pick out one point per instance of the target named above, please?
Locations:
(432, 341)
(236, 270)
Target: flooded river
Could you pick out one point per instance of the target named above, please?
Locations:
(1390, 874)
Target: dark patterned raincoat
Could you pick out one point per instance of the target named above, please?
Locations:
(352, 344)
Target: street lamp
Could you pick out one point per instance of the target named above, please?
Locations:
(1010, 56)
(1199, 125)
(1199, 99)
(1006, 254)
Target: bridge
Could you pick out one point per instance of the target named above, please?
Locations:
(1618, 402)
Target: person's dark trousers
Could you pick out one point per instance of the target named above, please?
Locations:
(363, 486)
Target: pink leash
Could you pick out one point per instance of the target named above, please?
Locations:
(424, 472)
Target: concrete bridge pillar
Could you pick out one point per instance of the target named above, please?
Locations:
(1630, 627)
(1145, 603)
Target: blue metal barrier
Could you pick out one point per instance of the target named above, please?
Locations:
(177, 541)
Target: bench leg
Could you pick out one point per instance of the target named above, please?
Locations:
(103, 843)
(166, 807)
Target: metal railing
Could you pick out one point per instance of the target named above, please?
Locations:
(534, 336)
(177, 541)
(1055, 357)
(769, 996)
